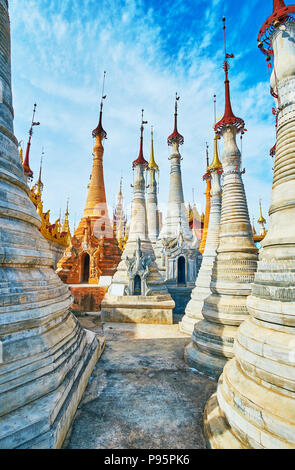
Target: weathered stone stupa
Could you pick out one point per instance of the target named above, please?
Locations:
(152, 196)
(90, 262)
(46, 357)
(178, 257)
(138, 293)
(255, 402)
(236, 259)
(193, 311)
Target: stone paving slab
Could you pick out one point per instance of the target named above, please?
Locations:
(141, 393)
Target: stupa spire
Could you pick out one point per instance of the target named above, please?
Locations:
(216, 163)
(66, 226)
(152, 163)
(26, 165)
(208, 247)
(206, 177)
(261, 218)
(229, 118)
(99, 130)
(96, 199)
(140, 159)
(178, 265)
(96, 250)
(175, 136)
(120, 191)
(152, 200)
(137, 283)
(236, 259)
(39, 183)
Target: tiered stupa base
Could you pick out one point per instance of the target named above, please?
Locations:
(212, 343)
(217, 431)
(44, 423)
(258, 415)
(155, 306)
(46, 364)
(254, 405)
(211, 347)
(193, 311)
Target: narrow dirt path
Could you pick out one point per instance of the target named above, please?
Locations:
(141, 393)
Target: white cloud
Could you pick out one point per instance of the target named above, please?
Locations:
(60, 50)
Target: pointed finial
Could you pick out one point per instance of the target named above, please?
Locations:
(121, 182)
(26, 165)
(207, 154)
(229, 118)
(39, 183)
(216, 164)
(224, 36)
(66, 226)
(261, 219)
(152, 163)
(140, 159)
(175, 136)
(103, 96)
(99, 129)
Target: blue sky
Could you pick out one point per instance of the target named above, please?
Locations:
(150, 50)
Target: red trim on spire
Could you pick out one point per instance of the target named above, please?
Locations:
(272, 151)
(229, 118)
(175, 136)
(277, 4)
(26, 165)
(281, 13)
(140, 159)
(99, 130)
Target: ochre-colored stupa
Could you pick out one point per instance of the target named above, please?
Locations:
(93, 256)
